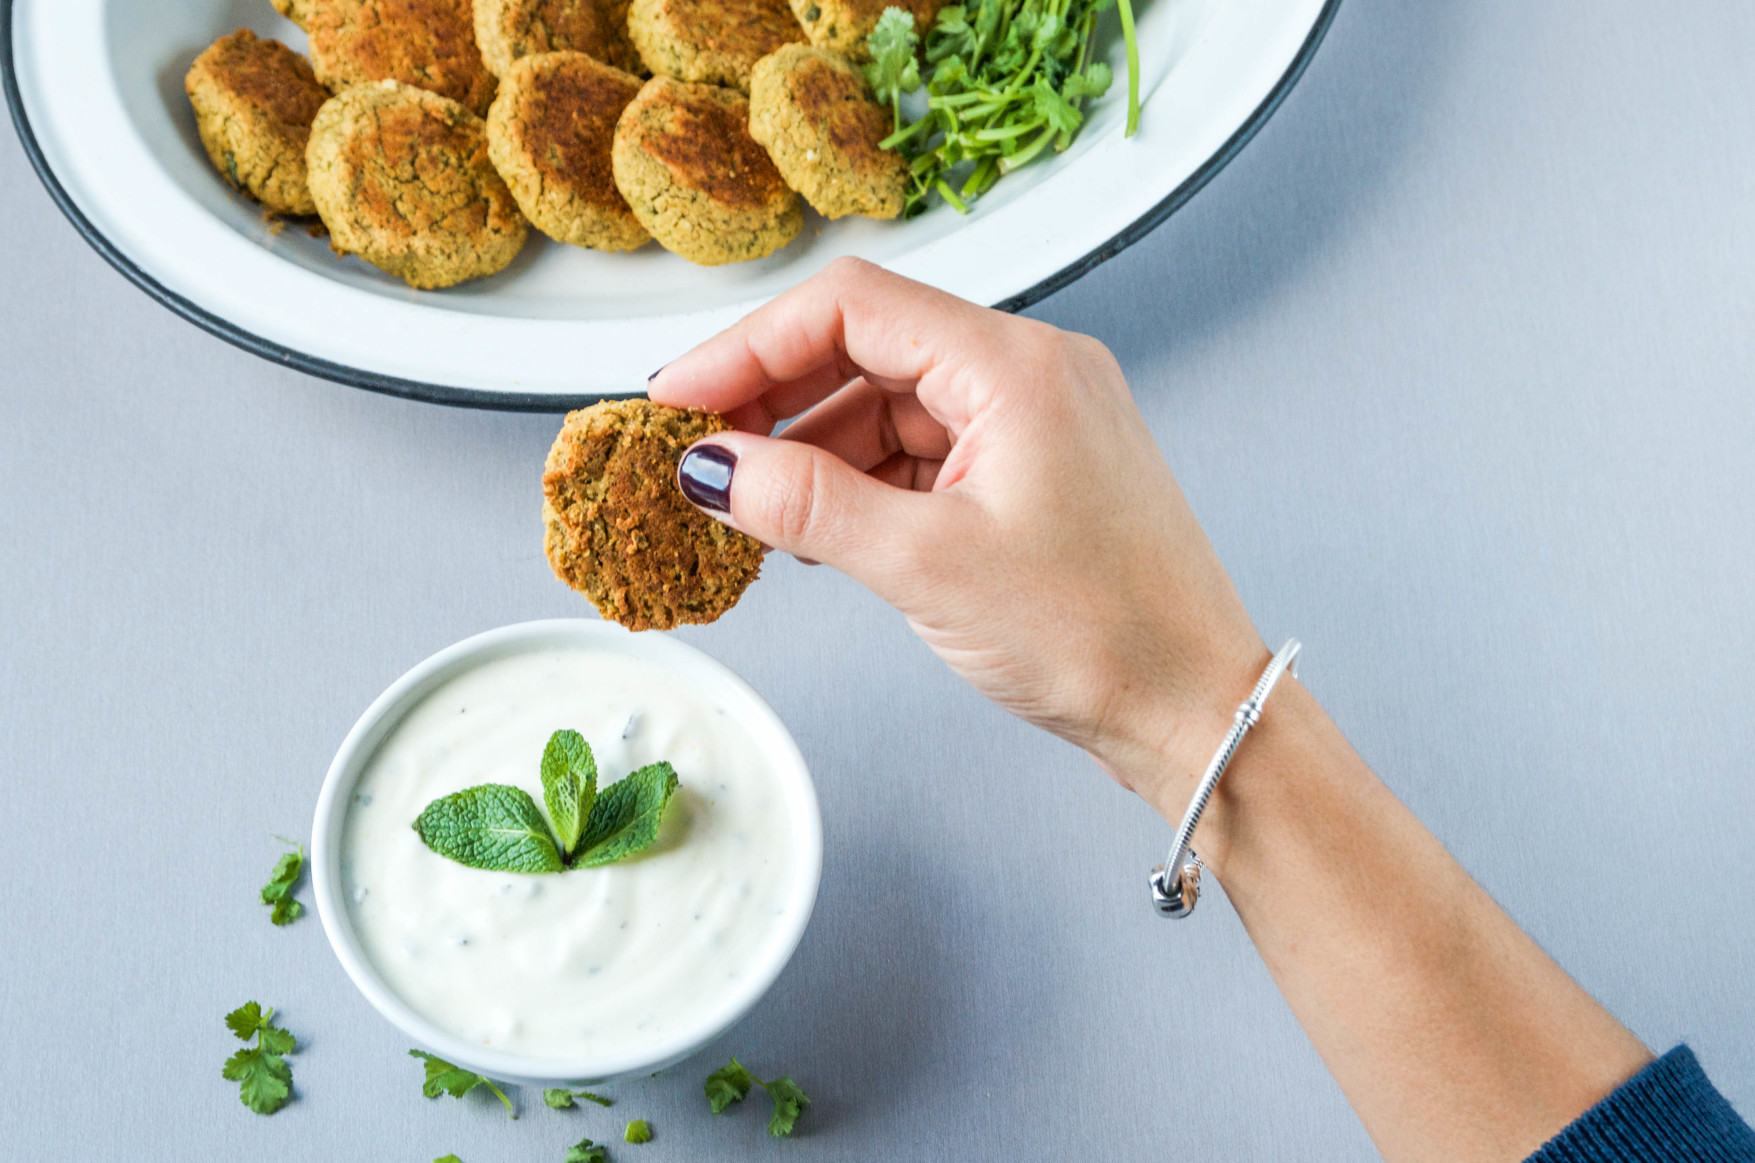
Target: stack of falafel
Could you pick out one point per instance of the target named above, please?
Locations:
(381, 133)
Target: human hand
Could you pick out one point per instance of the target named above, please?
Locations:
(990, 477)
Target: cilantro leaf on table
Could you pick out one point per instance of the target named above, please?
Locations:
(731, 1084)
(560, 1098)
(447, 1159)
(625, 818)
(639, 1131)
(789, 1103)
(727, 1085)
(444, 1078)
(585, 1151)
(263, 1077)
(569, 786)
(281, 882)
(495, 826)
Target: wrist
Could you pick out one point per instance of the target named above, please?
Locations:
(1253, 793)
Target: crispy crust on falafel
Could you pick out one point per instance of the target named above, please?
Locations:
(617, 528)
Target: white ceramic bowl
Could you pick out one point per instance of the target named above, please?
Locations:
(688, 664)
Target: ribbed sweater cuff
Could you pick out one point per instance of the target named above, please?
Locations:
(1668, 1112)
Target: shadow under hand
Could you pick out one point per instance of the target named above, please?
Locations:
(1334, 142)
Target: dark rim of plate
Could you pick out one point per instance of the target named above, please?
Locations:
(544, 402)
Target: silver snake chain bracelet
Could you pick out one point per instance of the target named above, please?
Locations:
(1174, 893)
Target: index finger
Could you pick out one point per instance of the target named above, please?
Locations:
(853, 319)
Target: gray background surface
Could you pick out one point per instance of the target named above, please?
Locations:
(1455, 364)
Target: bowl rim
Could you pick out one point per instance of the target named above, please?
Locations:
(387, 711)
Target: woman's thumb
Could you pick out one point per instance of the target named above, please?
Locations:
(808, 502)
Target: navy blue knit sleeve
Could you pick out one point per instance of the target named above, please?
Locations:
(1667, 1113)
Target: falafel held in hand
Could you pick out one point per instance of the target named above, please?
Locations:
(974, 468)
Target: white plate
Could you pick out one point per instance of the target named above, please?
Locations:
(96, 91)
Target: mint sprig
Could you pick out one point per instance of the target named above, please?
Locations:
(731, 1084)
(499, 828)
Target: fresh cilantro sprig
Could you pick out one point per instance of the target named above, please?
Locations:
(278, 892)
(585, 1151)
(263, 1077)
(1005, 80)
(444, 1078)
(639, 1131)
(731, 1084)
(499, 827)
(560, 1098)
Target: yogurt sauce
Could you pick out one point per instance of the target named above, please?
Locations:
(592, 961)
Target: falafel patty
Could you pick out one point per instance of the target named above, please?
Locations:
(844, 24)
(401, 178)
(297, 11)
(714, 42)
(617, 528)
(695, 178)
(429, 44)
(254, 103)
(813, 112)
(549, 134)
(509, 29)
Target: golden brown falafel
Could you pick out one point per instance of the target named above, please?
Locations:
(254, 103)
(297, 11)
(617, 528)
(695, 178)
(813, 112)
(509, 29)
(549, 135)
(844, 24)
(429, 44)
(401, 177)
(714, 42)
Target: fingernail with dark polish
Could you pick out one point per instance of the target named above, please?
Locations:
(705, 476)
(654, 375)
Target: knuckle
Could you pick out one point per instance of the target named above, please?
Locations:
(848, 270)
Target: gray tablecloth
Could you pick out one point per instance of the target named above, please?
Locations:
(1455, 363)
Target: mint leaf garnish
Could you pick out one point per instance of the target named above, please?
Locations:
(625, 818)
(585, 1151)
(732, 1083)
(263, 1077)
(561, 1098)
(569, 785)
(494, 826)
(278, 891)
(499, 828)
(444, 1078)
(639, 1131)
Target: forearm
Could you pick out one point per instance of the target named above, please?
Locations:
(1452, 1034)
